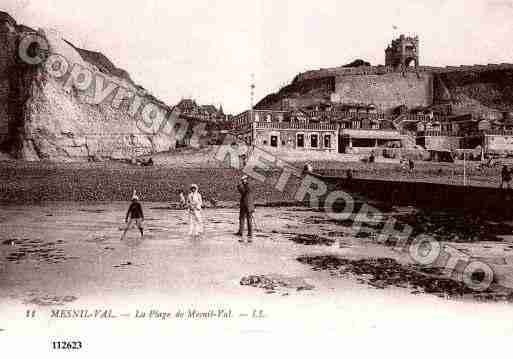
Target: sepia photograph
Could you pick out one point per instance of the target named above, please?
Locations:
(256, 178)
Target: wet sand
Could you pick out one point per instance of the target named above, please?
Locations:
(64, 255)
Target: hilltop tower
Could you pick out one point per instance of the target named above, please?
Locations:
(402, 52)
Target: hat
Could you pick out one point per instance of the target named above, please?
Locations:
(244, 177)
(194, 186)
(134, 196)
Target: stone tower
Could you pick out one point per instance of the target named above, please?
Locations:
(402, 52)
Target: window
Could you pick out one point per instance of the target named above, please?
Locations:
(314, 141)
(300, 140)
(327, 141)
(274, 141)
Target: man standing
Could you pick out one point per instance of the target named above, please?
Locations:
(505, 176)
(247, 207)
(411, 165)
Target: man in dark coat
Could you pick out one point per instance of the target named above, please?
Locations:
(505, 176)
(247, 207)
(411, 164)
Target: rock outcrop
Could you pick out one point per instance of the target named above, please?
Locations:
(482, 91)
(45, 114)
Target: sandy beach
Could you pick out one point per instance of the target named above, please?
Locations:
(68, 256)
(306, 275)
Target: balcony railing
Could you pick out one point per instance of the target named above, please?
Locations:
(297, 125)
(335, 114)
(361, 127)
(418, 117)
(438, 133)
(463, 133)
(499, 132)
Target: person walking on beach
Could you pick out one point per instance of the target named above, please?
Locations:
(247, 207)
(194, 204)
(134, 214)
(505, 176)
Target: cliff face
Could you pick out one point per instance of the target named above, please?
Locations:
(49, 116)
(476, 91)
(10, 81)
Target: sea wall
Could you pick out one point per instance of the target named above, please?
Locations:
(490, 201)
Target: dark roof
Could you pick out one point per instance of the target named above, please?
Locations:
(25, 28)
(186, 104)
(209, 108)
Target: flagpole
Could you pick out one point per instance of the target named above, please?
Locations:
(464, 169)
(251, 114)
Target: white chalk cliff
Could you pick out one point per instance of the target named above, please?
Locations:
(45, 116)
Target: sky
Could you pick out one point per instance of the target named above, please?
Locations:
(208, 49)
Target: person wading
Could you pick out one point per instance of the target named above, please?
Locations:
(247, 207)
(134, 214)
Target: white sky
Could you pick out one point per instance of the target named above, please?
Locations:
(208, 49)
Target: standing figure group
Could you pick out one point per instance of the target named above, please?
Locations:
(193, 204)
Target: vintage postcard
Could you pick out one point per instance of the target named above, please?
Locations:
(256, 178)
